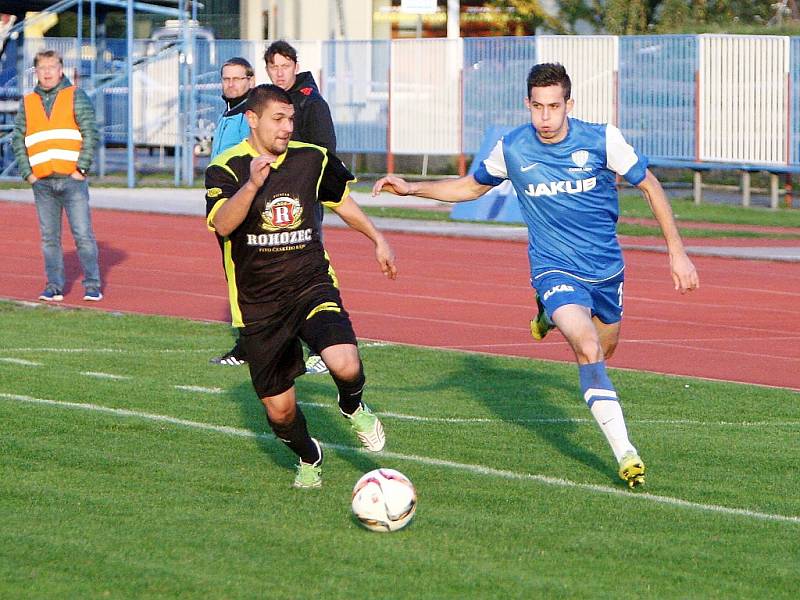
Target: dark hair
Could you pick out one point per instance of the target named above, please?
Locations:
(263, 94)
(282, 48)
(241, 62)
(547, 74)
(47, 54)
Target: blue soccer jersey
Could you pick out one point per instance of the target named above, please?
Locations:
(568, 195)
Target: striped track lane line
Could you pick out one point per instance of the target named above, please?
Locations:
(434, 462)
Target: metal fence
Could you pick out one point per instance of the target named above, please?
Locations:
(719, 98)
(657, 94)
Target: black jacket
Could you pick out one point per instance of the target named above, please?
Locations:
(312, 116)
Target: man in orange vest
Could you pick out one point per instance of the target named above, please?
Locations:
(55, 135)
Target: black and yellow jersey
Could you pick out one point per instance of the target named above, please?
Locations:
(275, 255)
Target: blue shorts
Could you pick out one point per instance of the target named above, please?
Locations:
(603, 298)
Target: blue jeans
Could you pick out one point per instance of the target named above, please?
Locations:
(53, 195)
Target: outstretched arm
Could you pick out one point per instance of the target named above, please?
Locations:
(448, 190)
(351, 213)
(684, 274)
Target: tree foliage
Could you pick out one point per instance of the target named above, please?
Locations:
(530, 15)
(630, 17)
(673, 16)
(625, 17)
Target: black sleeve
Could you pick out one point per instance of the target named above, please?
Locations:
(335, 179)
(221, 184)
(319, 125)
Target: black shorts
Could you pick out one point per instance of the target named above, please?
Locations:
(273, 349)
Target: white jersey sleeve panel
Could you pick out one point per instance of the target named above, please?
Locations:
(620, 155)
(495, 163)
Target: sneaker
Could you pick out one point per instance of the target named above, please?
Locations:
(540, 325)
(368, 428)
(93, 295)
(315, 365)
(631, 469)
(232, 358)
(309, 475)
(51, 294)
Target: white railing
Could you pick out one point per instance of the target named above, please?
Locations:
(743, 98)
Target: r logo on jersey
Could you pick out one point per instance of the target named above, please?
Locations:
(283, 212)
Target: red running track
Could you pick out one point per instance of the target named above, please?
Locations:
(466, 294)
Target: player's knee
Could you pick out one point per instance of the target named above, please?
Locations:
(343, 362)
(280, 416)
(280, 413)
(589, 351)
(347, 368)
(608, 349)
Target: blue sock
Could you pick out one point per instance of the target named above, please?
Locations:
(600, 395)
(595, 384)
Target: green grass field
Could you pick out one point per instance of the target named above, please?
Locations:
(131, 468)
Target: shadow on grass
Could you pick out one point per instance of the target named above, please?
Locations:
(531, 397)
(324, 423)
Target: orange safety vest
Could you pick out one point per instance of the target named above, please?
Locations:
(53, 142)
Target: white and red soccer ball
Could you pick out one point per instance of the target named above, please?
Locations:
(384, 500)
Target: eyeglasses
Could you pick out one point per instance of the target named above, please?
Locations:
(235, 79)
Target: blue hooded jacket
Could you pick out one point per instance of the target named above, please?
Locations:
(232, 126)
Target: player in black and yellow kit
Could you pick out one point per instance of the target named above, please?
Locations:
(260, 200)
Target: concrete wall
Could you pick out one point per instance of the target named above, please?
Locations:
(312, 20)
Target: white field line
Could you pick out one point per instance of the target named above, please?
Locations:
(435, 462)
(566, 420)
(200, 389)
(100, 375)
(20, 361)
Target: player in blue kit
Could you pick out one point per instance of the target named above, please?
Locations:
(564, 173)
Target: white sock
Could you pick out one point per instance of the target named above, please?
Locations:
(608, 414)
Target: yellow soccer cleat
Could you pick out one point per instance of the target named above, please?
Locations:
(540, 324)
(631, 469)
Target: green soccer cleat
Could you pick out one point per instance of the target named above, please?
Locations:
(368, 428)
(308, 476)
(631, 469)
(540, 324)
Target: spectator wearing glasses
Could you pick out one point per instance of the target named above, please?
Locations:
(232, 127)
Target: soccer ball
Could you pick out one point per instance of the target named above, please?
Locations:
(384, 500)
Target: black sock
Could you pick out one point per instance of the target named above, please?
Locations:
(295, 435)
(350, 392)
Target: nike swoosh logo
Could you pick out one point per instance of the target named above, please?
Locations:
(529, 167)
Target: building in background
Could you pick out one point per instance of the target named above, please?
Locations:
(308, 20)
(387, 19)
